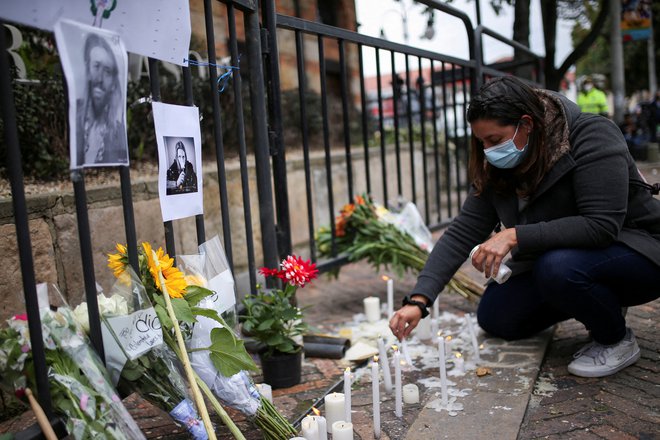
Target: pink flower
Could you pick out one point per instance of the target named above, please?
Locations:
(271, 273)
(22, 317)
(19, 392)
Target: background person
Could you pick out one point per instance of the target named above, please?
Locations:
(181, 177)
(101, 132)
(591, 99)
(580, 223)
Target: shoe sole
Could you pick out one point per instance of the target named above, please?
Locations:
(591, 373)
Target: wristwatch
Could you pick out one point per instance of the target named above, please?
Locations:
(422, 306)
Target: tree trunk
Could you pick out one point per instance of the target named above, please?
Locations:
(521, 35)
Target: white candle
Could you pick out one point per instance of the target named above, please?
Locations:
(406, 354)
(443, 369)
(266, 391)
(372, 308)
(390, 298)
(347, 394)
(387, 375)
(473, 335)
(310, 429)
(334, 408)
(434, 326)
(375, 384)
(342, 430)
(321, 423)
(459, 363)
(398, 405)
(436, 309)
(410, 393)
(423, 329)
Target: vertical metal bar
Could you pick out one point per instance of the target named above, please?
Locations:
(326, 141)
(345, 119)
(86, 255)
(383, 152)
(436, 151)
(396, 98)
(15, 172)
(189, 101)
(446, 125)
(457, 167)
(242, 148)
(129, 217)
(217, 132)
(302, 93)
(411, 140)
(465, 145)
(272, 69)
(365, 121)
(422, 122)
(260, 130)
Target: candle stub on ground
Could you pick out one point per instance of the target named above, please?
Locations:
(482, 371)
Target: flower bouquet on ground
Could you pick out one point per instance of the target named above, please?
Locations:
(365, 230)
(209, 269)
(80, 390)
(135, 355)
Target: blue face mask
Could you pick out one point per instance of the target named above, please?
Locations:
(505, 155)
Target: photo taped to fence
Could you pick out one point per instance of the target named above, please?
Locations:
(95, 64)
(179, 160)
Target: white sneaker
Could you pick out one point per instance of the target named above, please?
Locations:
(597, 360)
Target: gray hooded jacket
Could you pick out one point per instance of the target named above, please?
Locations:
(590, 198)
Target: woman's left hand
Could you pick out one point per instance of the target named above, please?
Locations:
(490, 254)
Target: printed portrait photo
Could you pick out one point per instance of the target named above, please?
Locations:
(95, 64)
(181, 176)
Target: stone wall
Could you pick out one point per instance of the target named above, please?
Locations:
(54, 231)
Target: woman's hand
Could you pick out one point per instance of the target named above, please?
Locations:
(406, 318)
(489, 256)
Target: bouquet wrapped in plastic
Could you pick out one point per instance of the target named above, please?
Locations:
(210, 269)
(136, 357)
(365, 230)
(80, 390)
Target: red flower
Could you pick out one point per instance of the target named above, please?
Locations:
(22, 317)
(297, 271)
(19, 392)
(272, 273)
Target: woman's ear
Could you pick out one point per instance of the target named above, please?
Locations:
(527, 122)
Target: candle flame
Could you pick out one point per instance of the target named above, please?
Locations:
(385, 277)
(395, 348)
(316, 411)
(448, 338)
(402, 362)
(348, 369)
(458, 355)
(481, 347)
(375, 358)
(439, 333)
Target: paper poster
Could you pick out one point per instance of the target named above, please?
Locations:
(223, 297)
(95, 64)
(179, 160)
(154, 28)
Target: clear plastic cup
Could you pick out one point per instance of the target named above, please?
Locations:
(502, 275)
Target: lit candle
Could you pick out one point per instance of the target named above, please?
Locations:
(342, 430)
(406, 354)
(334, 409)
(398, 404)
(436, 309)
(448, 343)
(410, 393)
(473, 335)
(321, 423)
(266, 391)
(390, 296)
(375, 384)
(443, 369)
(372, 308)
(385, 361)
(347, 394)
(459, 363)
(310, 429)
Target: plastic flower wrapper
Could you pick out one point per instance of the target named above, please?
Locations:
(80, 389)
(210, 270)
(135, 355)
(365, 230)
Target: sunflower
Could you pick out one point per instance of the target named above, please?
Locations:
(175, 282)
(117, 262)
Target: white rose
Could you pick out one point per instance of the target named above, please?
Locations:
(81, 316)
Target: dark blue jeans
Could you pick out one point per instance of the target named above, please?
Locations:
(590, 285)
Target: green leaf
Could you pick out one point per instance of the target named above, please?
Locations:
(182, 310)
(194, 294)
(266, 324)
(163, 316)
(208, 313)
(228, 354)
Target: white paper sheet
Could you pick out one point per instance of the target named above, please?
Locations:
(180, 189)
(155, 28)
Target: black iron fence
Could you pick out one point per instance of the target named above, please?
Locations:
(396, 131)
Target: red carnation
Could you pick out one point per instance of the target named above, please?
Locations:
(297, 271)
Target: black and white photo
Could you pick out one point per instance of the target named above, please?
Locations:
(181, 176)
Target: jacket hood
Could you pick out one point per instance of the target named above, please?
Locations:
(560, 116)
